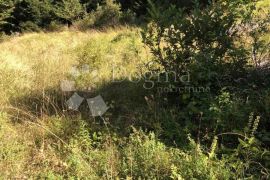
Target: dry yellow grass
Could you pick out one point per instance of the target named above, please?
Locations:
(33, 63)
(38, 61)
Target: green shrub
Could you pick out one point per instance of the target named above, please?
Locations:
(147, 158)
(85, 23)
(29, 26)
(104, 154)
(55, 26)
(249, 159)
(202, 42)
(108, 14)
(207, 43)
(70, 11)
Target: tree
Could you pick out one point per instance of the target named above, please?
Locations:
(107, 14)
(202, 42)
(70, 10)
(6, 8)
(32, 14)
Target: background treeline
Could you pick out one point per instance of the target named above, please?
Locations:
(34, 15)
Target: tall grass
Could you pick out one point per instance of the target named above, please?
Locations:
(38, 144)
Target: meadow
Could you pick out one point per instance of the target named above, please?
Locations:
(217, 127)
(42, 138)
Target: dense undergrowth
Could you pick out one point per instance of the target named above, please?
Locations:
(148, 132)
(41, 138)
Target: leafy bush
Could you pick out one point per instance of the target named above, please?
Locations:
(140, 155)
(85, 23)
(55, 26)
(202, 42)
(70, 10)
(29, 26)
(105, 15)
(146, 157)
(249, 158)
(207, 44)
(71, 145)
(108, 14)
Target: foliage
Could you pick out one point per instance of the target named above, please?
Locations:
(108, 14)
(250, 157)
(257, 29)
(31, 14)
(202, 43)
(140, 6)
(69, 148)
(6, 8)
(55, 26)
(70, 10)
(27, 15)
(208, 44)
(145, 134)
(91, 5)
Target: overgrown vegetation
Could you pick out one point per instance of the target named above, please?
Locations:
(44, 15)
(188, 94)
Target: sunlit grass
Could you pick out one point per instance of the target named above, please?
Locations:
(32, 64)
(38, 61)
